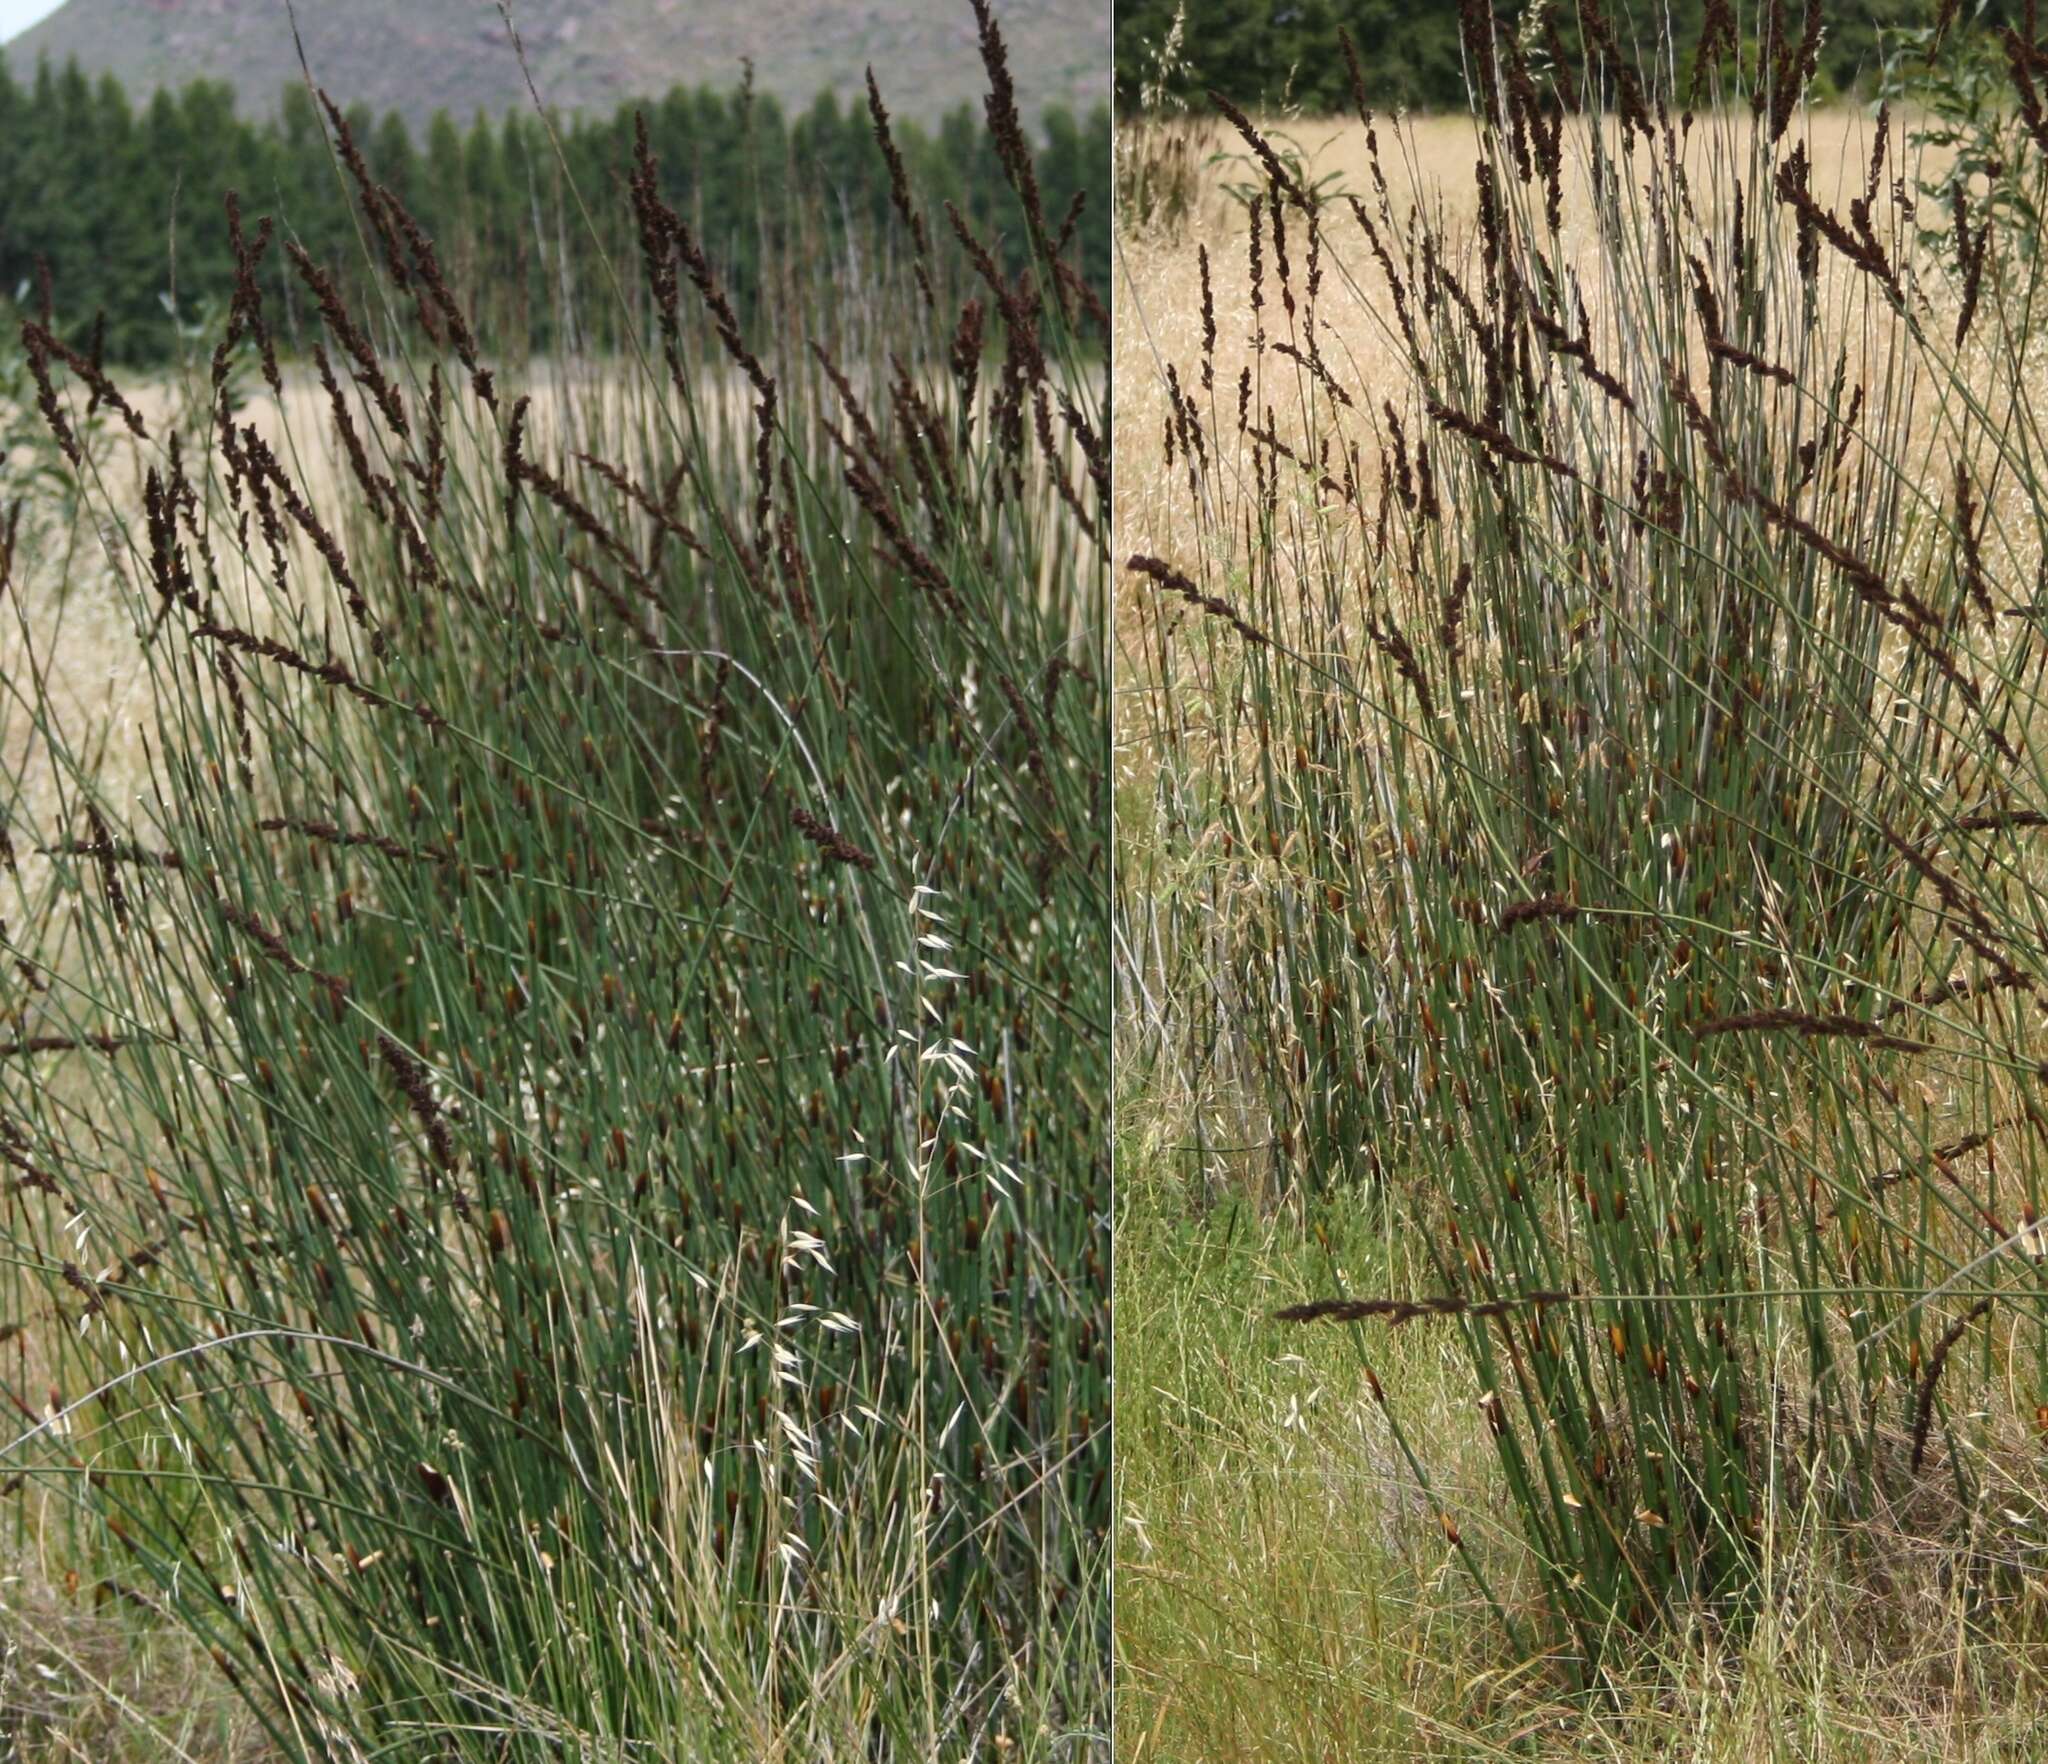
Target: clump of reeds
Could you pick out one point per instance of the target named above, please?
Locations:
(1615, 742)
(555, 1176)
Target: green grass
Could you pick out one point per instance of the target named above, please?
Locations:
(1285, 1592)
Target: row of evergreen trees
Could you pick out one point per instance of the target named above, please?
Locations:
(1268, 53)
(113, 215)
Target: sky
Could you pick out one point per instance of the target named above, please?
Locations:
(17, 15)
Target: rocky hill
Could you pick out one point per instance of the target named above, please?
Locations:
(419, 56)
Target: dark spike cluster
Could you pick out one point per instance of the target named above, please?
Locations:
(1006, 127)
(1923, 1399)
(334, 313)
(1395, 1312)
(1807, 1023)
(369, 192)
(43, 346)
(331, 673)
(327, 833)
(1172, 581)
(899, 190)
(409, 1072)
(245, 307)
(829, 840)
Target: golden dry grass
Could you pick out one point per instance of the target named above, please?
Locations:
(1428, 160)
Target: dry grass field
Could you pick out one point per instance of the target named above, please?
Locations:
(1428, 159)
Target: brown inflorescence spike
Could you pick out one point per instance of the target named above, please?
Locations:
(1170, 579)
(1923, 1403)
(829, 840)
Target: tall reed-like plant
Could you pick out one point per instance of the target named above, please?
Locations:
(1594, 795)
(554, 1134)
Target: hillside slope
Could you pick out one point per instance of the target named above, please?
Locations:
(419, 56)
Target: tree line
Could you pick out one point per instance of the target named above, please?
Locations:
(1263, 54)
(111, 217)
